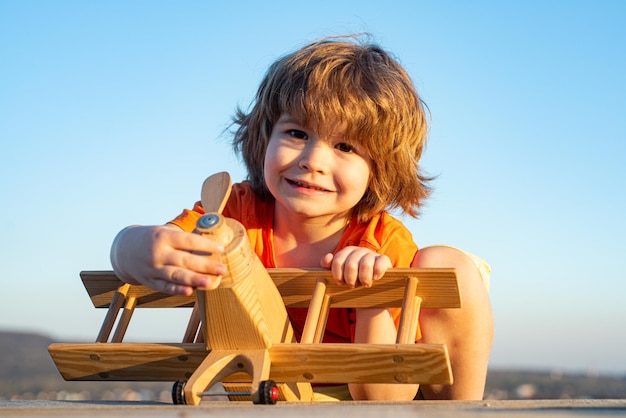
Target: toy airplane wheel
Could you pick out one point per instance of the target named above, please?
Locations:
(268, 392)
(178, 392)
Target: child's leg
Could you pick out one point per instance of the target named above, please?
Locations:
(468, 332)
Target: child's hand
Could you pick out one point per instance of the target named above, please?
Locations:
(353, 265)
(166, 259)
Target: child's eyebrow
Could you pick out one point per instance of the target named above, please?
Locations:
(288, 119)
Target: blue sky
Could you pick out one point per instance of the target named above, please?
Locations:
(112, 113)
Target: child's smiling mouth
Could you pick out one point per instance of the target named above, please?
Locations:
(306, 186)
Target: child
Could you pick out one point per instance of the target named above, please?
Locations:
(333, 139)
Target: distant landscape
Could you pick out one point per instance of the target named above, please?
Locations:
(27, 372)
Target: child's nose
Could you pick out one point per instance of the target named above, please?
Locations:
(315, 157)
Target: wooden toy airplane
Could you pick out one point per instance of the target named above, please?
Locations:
(240, 332)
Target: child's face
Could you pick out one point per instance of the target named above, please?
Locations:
(314, 174)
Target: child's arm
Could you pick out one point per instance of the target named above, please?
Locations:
(373, 326)
(162, 258)
(376, 326)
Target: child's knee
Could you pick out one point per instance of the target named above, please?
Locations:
(471, 326)
(439, 256)
(469, 267)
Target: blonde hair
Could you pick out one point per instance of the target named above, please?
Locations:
(360, 86)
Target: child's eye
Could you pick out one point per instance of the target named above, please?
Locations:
(342, 146)
(297, 134)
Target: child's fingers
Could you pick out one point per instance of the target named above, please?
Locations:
(183, 250)
(195, 262)
(334, 263)
(366, 268)
(350, 270)
(372, 267)
(381, 265)
(193, 242)
(172, 288)
(356, 265)
(178, 281)
(340, 266)
(342, 272)
(326, 261)
(353, 266)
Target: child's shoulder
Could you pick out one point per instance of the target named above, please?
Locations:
(247, 207)
(384, 234)
(385, 224)
(242, 194)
